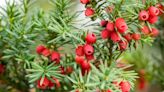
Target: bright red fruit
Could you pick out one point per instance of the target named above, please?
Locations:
(103, 23)
(84, 1)
(79, 59)
(79, 51)
(2, 68)
(136, 36)
(128, 37)
(161, 8)
(125, 86)
(154, 32)
(143, 15)
(51, 84)
(88, 49)
(105, 34)
(44, 84)
(40, 48)
(115, 37)
(85, 67)
(153, 19)
(69, 70)
(108, 90)
(91, 38)
(121, 25)
(89, 57)
(123, 45)
(110, 26)
(62, 70)
(46, 52)
(57, 82)
(153, 11)
(55, 56)
(145, 30)
(89, 12)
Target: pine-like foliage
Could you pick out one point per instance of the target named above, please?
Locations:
(56, 37)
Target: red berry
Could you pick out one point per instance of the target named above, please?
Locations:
(44, 84)
(2, 68)
(79, 51)
(108, 90)
(40, 48)
(62, 70)
(105, 34)
(89, 57)
(88, 49)
(103, 23)
(136, 36)
(69, 70)
(84, 1)
(125, 86)
(51, 84)
(55, 56)
(57, 82)
(110, 26)
(161, 8)
(128, 37)
(145, 30)
(89, 12)
(46, 52)
(153, 11)
(153, 19)
(91, 38)
(123, 45)
(121, 25)
(85, 66)
(79, 59)
(115, 37)
(143, 15)
(154, 32)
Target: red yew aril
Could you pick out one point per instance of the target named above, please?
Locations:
(143, 15)
(110, 26)
(161, 8)
(51, 84)
(85, 68)
(153, 19)
(2, 68)
(128, 37)
(115, 37)
(90, 38)
(62, 70)
(123, 45)
(105, 34)
(79, 59)
(85, 65)
(79, 51)
(88, 49)
(136, 36)
(125, 86)
(153, 11)
(103, 23)
(40, 48)
(57, 82)
(154, 32)
(89, 12)
(55, 56)
(145, 30)
(84, 1)
(46, 52)
(121, 25)
(69, 70)
(89, 57)
(44, 84)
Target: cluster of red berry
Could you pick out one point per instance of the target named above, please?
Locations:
(114, 30)
(84, 53)
(54, 56)
(46, 83)
(89, 11)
